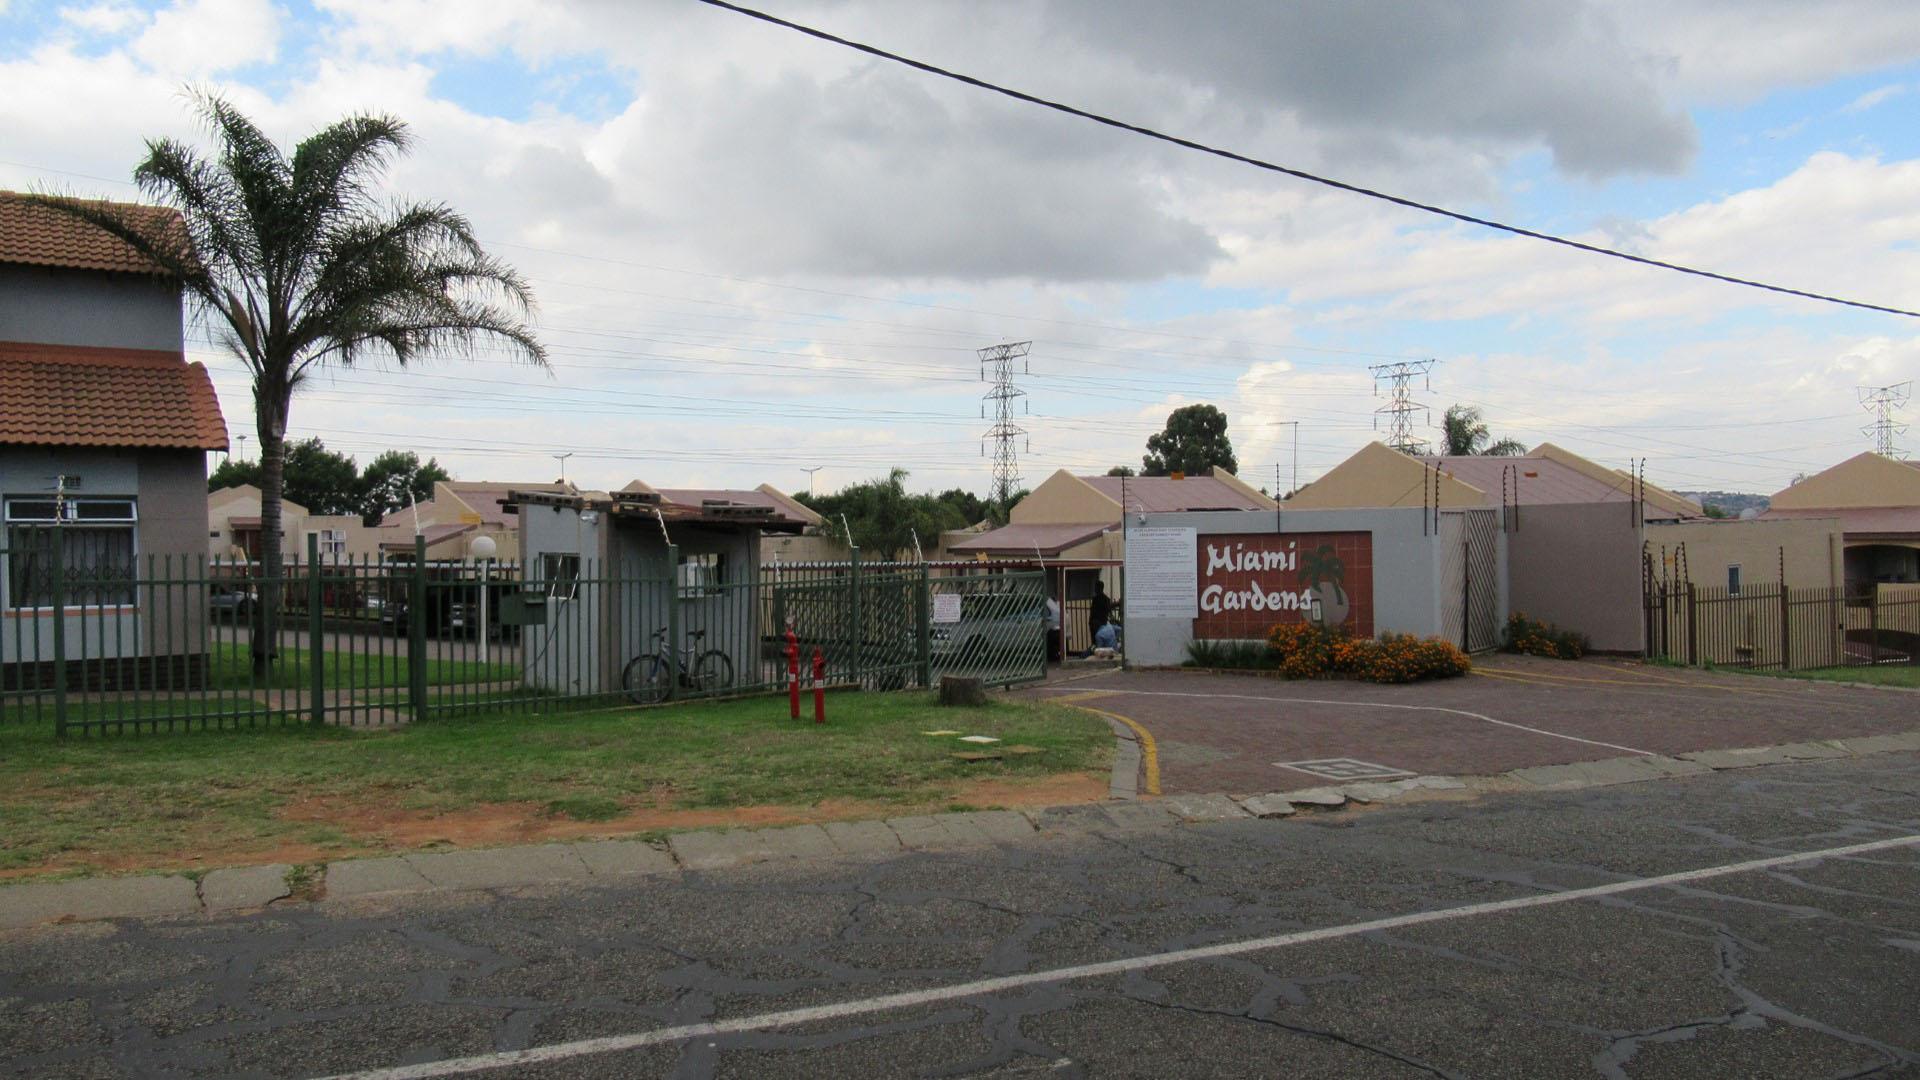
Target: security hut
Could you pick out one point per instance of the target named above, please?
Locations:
(1232, 576)
(608, 573)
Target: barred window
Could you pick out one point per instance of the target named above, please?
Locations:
(562, 575)
(702, 573)
(97, 551)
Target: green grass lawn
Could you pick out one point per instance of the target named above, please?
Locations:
(1878, 674)
(157, 800)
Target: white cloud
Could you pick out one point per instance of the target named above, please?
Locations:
(108, 19)
(197, 38)
(1875, 97)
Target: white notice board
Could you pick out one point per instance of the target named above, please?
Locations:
(1162, 574)
(946, 607)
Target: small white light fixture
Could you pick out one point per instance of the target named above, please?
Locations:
(483, 547)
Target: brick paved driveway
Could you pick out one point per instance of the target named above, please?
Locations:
(1229, 732)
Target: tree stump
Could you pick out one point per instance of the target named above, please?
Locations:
(958, 690)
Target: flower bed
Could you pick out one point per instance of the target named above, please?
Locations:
(1305, 651)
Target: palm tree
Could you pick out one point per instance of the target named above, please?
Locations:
(1466, 435)
(299, 263)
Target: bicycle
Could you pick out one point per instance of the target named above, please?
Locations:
(646, 679)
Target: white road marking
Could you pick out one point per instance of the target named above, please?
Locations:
(1385, 705)
(982, 987)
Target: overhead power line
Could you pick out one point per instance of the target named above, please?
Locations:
(1299, 174)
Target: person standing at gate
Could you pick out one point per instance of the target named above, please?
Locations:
(1100, 612)
(1053, 630)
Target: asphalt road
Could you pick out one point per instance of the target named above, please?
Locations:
(1803, 970)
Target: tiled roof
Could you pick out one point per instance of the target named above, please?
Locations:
(1152, 494)
(36, 236)
(1032, 539)
(1536, 481)
(62, 395)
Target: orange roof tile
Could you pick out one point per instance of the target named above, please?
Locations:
(64, 395)
(36, 236)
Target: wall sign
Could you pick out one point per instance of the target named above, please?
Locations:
(1246, 583)
(1160, 574)
(946, 607)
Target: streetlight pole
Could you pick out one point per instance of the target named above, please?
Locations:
(810, 471)
(562, 459)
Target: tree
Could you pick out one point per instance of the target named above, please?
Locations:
(231, 473)
(1464, 434)
(395, 480)
(884, 519)
(971, 508)
(1194, 441)
(300, 262)
(319, 479)
(1122, 470)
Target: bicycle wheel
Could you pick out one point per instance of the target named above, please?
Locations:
(645, 679)
(713, 671)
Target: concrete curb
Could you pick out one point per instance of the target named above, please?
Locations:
(254, 887)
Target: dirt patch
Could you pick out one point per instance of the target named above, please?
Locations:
(492, 824)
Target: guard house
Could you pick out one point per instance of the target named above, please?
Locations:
(598, 587)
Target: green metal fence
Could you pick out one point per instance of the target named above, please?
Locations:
(176, 643)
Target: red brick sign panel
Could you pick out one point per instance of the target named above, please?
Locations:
(1249, 582)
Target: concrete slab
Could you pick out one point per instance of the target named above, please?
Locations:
(495, 868)
(1202, 807)
(862, 837)
(998, 826)
(921, 832)
(795, 842)
(714, 850)
(1320, 796)
(1071, 818)
(96, 898)
(1437, 783)
(1881, 744)
(1742, 758)
(1606, 771)
(366, 877)
(612, 858)
(1267, 806)
(244, 886)
(1138, 815)
(1375, 791)
(1812, 751)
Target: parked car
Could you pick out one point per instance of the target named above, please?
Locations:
(995, 630)
(227, 604)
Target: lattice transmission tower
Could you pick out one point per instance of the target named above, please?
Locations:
(1400, 406)
(998, 359)
(1883, 402)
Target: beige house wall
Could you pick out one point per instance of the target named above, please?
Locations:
(1864, 480)
(1063, 499)
(1578, 565)
(1379, 476)
(1811, 547)
(243, 501)
(807, 547)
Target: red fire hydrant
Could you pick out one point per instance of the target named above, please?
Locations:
(793, 674)
(819, 686)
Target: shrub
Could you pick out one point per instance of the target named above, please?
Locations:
(1303, 650)
(1238, 655)
(1403, 658)
(1536, 638)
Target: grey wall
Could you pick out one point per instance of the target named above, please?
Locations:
(587, 641)
(79, 307)
(1579, 566)
(170, 489)
(1406, 570)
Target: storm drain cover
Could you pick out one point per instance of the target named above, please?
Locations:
(1343, 768)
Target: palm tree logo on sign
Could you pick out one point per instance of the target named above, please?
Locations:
(1325, 576)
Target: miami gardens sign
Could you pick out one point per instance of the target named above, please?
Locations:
(1247, 583)
(1239, 585)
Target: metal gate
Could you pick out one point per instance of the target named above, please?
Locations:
(990, 626)
(1470, 584)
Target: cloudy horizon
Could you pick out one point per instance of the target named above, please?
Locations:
(756, 253)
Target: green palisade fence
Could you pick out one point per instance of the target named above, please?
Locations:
(169, 643)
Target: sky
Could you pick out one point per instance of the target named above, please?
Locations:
(755, 253)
